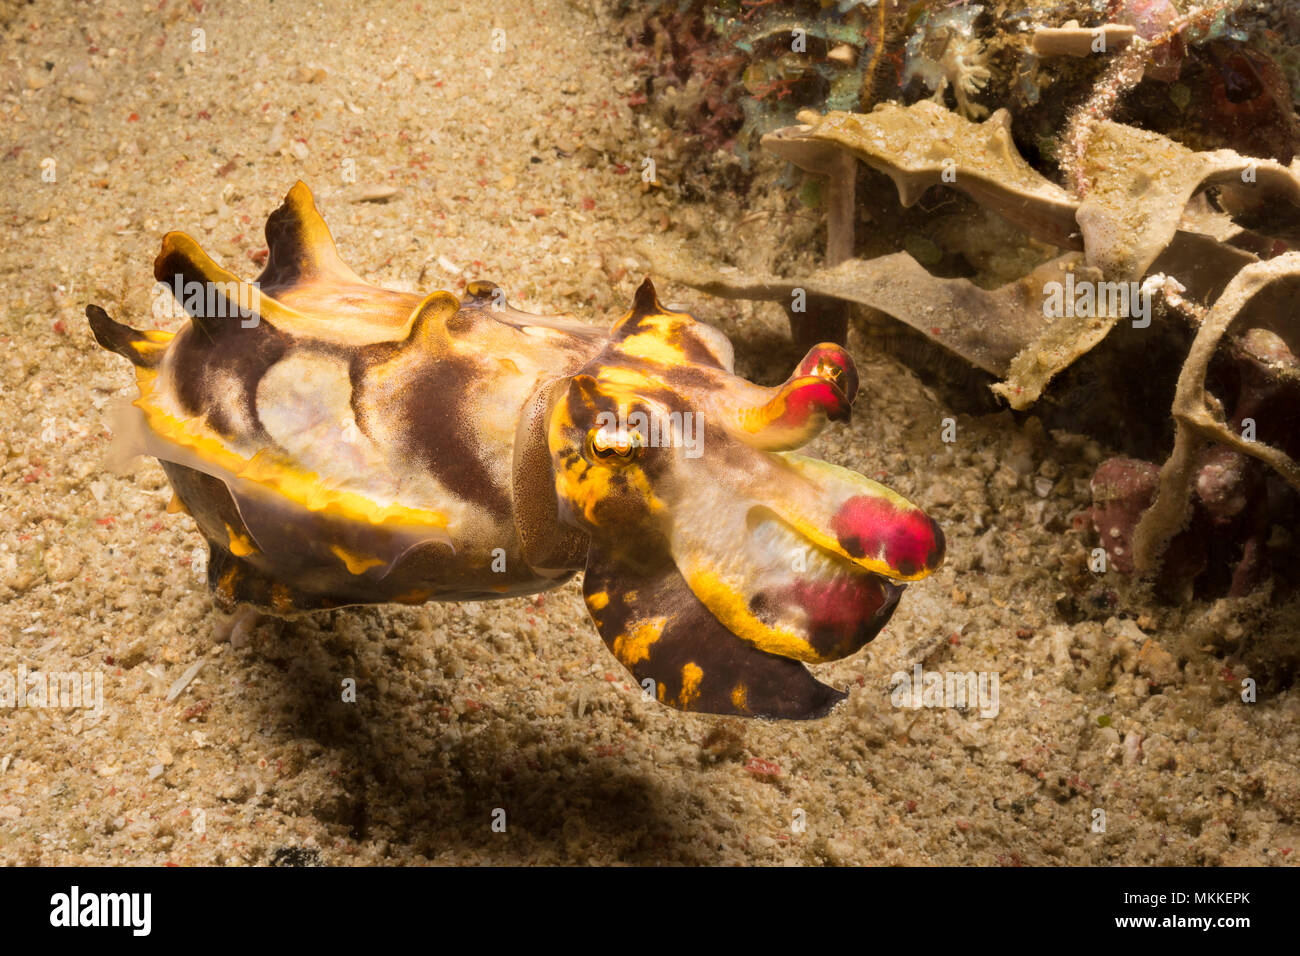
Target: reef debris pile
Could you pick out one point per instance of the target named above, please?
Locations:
(1115, 226)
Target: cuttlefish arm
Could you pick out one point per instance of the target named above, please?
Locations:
(661, 632)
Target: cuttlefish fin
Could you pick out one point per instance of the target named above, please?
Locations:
(234, 581)
(144, 349)
(218, 302)
(659, 630)
(300, 247)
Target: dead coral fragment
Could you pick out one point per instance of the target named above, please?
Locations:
(1262, 294)
(1133, 223)
(954, 313)
(924, 145)
(1122, 488)
(1129, 225)
(1142, 184)
(1074, 40)
(1143, 223)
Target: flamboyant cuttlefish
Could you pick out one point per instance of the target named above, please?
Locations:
(338, 443)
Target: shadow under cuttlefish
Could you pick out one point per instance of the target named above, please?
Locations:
(439, 790)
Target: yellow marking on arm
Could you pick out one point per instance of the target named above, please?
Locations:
(241, 545)
(281, 598)
(756, 418)
(356, 563)
(635, 647)
(176, 506)
(815, 472)
(691, 677)
(732, 611)
(740, 697)
(598, 601)
(228, 580)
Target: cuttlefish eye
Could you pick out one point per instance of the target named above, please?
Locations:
(828, 370)
(614, 446)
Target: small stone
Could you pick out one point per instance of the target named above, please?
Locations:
(1158, 665)
(1021, 462)
(21, 578)
(276, 139)
(1132, 749)
(379, 194)
(61, 564)
(133, 654)
(1160, 751)
(183, 681)
(990, 552)
(843, 54)
(81, 93)
(588, 156)
(941, 494)
(1006, 478)
(99, 487)
(299, 149)
(235, 791)
(839, 852)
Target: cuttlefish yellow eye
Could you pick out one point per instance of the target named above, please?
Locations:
(615, 447)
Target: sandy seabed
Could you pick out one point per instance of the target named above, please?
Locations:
(219, 744)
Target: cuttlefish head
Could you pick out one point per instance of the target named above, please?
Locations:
(718, 559)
